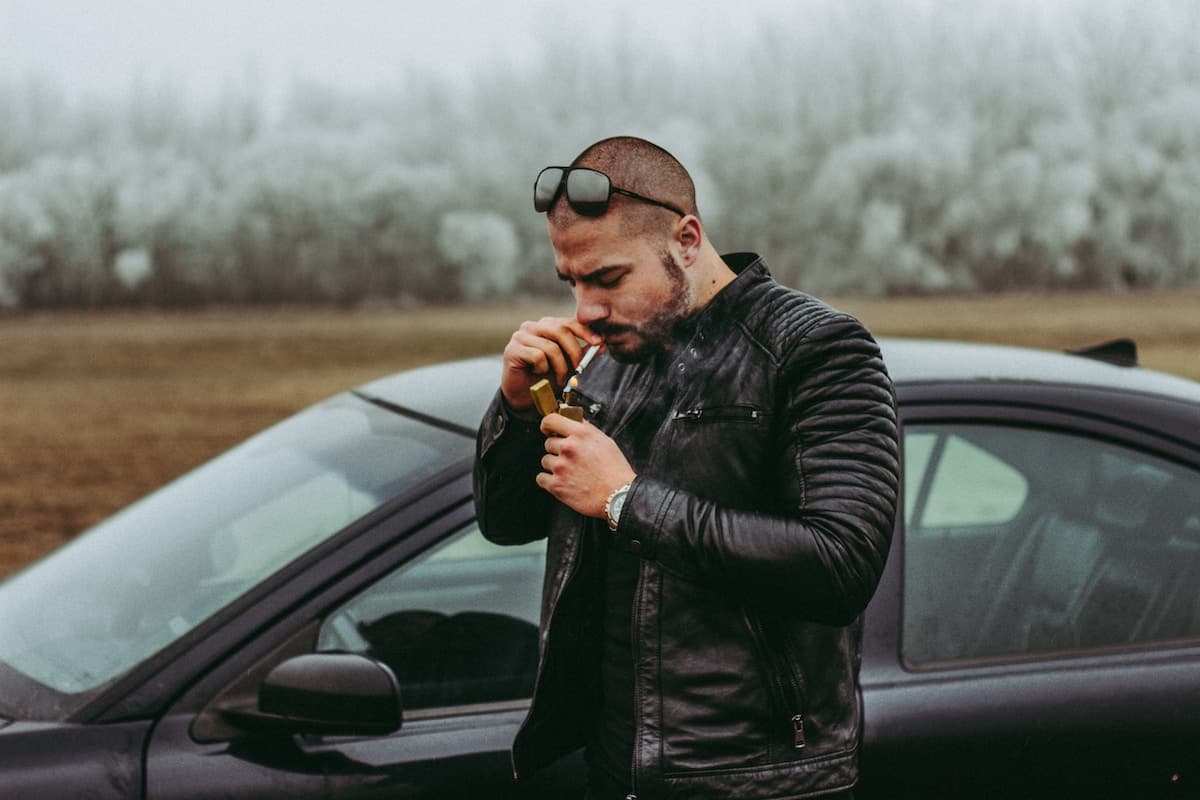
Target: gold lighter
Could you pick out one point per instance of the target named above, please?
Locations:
(543, 392)
(546, 403)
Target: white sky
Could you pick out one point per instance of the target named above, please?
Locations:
(102, 46)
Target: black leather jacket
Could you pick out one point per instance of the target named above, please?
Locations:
(766, 449)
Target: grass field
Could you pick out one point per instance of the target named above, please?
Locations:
(98, 409)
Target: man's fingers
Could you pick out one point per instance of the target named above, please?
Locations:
(584, 332)
(538, 356)
(549, 347)
(581, 465)
(563, 339)
(554, 337)
(558, 425)
(567, 333)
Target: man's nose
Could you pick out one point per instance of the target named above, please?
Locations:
(589, 309)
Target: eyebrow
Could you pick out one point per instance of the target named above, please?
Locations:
(595, 276)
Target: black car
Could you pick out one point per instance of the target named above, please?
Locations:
(315, 614)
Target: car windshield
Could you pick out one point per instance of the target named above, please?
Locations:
(130, 586)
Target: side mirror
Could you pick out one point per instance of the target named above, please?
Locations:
(339, 694)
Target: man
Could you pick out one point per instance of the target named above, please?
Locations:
(719, 520)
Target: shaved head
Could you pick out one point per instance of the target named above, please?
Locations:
(638, 166)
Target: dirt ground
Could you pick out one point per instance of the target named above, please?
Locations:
(96, 410)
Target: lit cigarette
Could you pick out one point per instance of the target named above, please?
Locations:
(587, 358)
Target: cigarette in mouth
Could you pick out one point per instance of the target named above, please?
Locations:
(587, 358)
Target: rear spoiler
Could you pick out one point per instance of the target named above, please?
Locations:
(1119, 352)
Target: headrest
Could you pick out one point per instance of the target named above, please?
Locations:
(1127, 500)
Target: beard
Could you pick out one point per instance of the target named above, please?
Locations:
(654, 336)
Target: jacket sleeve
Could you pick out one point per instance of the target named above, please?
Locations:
(820, 553)
(511, 507)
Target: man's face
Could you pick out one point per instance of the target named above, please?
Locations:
(629, 289)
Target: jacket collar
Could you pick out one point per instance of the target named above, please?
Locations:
(751, 270)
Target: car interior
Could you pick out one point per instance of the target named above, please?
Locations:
(457, 626)
(1102, 551)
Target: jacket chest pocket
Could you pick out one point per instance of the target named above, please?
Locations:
(720, 451)
(741, 412)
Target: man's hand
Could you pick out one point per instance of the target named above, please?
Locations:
(582, 465)
(548, 348)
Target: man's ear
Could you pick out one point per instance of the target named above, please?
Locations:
(689, 233)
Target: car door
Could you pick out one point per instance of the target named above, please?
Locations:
(454, 618)
(1038, 632)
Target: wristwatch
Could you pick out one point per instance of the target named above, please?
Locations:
(614, 504)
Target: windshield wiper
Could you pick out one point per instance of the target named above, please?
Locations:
(436, 422)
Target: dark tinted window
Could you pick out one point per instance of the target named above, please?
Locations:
(1024, 541)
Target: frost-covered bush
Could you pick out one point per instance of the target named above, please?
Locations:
(861, 147)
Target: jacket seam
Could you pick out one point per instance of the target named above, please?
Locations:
(778, 766)
(661, 515)
(818, 321)
(775, 360)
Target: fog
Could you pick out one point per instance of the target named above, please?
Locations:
(870, 147)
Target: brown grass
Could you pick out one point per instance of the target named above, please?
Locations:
(98, 409)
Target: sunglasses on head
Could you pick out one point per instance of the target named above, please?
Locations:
(588, 191)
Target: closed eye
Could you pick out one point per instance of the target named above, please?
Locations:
(605, 278)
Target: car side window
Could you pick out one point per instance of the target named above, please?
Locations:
(970, 487)
(1023, 541)
(458, 625)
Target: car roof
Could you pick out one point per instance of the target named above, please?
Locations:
(460, 391)
(911, 361)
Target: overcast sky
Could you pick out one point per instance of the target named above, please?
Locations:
(102, 46)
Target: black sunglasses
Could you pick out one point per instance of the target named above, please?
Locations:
(588, 191)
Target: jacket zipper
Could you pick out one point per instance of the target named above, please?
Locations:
(790, 697)
(725, 413)
(635, 625)
(799, 741)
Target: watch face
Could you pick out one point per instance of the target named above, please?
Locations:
(618, 503)
(613, 507)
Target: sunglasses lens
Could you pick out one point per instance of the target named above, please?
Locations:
(588, 191)
(545, 188)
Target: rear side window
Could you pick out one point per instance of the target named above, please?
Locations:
(968, 485)
(1023, 541)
